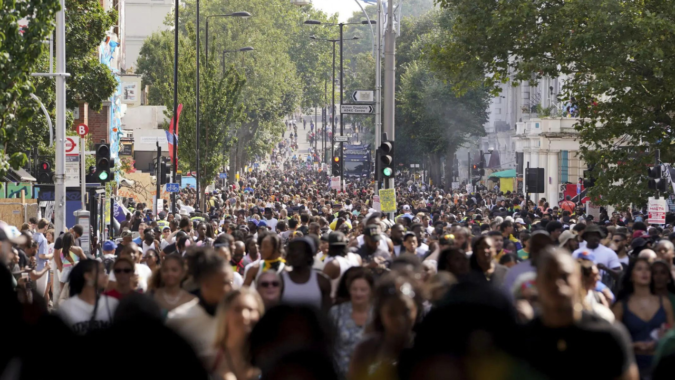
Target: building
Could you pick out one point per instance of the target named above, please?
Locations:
(139, 19)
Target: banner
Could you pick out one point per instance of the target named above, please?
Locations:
(656, 212)
(388, 200)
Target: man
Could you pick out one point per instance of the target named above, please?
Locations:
(409, 244)
(108, 255)
(370, 251)
(498, 242)
(166, 237)
(196, 320)
(270, 220)
(304, 221)
(524, 253)
(554, 229)
(506, 229)
(619, 246)
(162, 222)
(568, 205)
(292, 227)
(237, 261)
(303, 285)
(606, 259)
(126, 240)
(422, 248)
(665, 250)
(397, 238)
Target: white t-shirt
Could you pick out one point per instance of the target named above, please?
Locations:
(382, 244)
(603, 255)
(77, 314)
(142, 271)
(272, 224)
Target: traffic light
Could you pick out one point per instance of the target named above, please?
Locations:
(337, 166)
(481, 165)
(104, 163)
(45, 174)
(475, 170)
(655, 180)
(589, 180)
(385, 159)
(91, 175)
(164, 172)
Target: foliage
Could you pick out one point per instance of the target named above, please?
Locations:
(614, 55)
(20, 48)
(127, 165)
(219, 107)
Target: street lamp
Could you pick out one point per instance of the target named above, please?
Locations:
(234, 14)
(244, 49)
(315, 38)
(341, 25)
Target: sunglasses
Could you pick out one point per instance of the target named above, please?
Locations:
(270, 284)
(123, 270)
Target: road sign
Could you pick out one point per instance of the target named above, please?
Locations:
(82, 130)
(72, 147)
(172, 188)
(223, 176)
(341, 138)
(335, 183)
(356, 109)
(363, 96)
(72, 162)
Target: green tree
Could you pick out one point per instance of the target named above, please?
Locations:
(20, 48)
(614, 56)
(219, 107)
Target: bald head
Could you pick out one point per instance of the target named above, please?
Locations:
(648, 254)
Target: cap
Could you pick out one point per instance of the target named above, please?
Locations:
(373, 232)
(585, 255)
(520, 221)
(262, 224)
(162, 215)
(109, 245)
(254, 221)
(336, 239)
(12, 234)
(166, 228)
(406, 208)
(126, 233)
(565, 237)
(638, 243)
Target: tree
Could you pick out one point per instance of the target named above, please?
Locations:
(20, 48)
(615, 56)
(219, 107)
(90, 81)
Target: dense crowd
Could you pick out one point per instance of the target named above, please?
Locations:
(277, 277)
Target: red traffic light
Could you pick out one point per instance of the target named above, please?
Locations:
(45, 166)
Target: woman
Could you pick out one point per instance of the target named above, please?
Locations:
(86, 310)
(151, 259)
(339, 260)
(351, 317)
(595, 301)
(396, 308)
(453, 260)
(271, 259)
(70, 258)
(202, 235)
(642, 312)
(663, 282)
(482, 262)
(237, 315)
(167, 284)
(252, 254)
(124, 273)
(50, 251)
(268, 286)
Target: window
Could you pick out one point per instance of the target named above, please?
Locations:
(564, 166)
(536, 125)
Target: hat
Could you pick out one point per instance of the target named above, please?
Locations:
(166, 228)
(638, 243)
(406, 208)
(254, 221)
(520, 221)
(446, 239)
(508, 219)
(586, 255)
(336, 239)
(12, 234)
(565, 237)
(640, 234)
(373, 232)
(162, 215)
(593, 228)
(262, 224)
(126, 233)
(109, 245)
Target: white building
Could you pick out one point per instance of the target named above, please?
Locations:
(138, 20)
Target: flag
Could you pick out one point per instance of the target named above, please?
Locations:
(120, 212)
(170, 133)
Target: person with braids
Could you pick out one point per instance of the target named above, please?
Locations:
(69, 256)
(87, 309)
(196, 320)
(271, 259)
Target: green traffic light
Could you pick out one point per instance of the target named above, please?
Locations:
(387, 172)
(103, 176)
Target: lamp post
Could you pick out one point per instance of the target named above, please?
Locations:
(244, 49)
(234, 14)
(341, 25)
(197, 106)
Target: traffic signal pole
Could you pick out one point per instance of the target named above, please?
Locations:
(159, 177)
(389, 79)
(60, 159)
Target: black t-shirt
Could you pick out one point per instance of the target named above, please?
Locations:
(58, 243)
(23, 258)
(564, 353)
(119, 249)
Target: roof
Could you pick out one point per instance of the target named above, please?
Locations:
(18, 175)
(511, 173)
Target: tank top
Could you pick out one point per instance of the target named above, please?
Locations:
(641, 330)
(71, 260)
(308, 293)
(148, 246)
(345, 262)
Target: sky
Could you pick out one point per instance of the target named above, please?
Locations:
(344, 7)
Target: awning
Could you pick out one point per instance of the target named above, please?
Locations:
(511, 173)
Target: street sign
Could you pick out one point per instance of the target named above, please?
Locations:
(341, 138)
(657, 211)
(223, 176)
(335, 183)
(72, 162)
(356, 109)
(172, 188)
(82, 130)
(363, 96)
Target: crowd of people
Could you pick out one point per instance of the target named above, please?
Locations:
(277, 276)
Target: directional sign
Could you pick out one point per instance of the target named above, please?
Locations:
(363, 96)
(223, 176)
(356, 109)
(341, 138)
(172, 188)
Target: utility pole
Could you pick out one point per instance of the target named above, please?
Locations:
(389, 78)
(378, 86)
(60, 159)
(342, 90)
(198, 142)
(175, 101)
